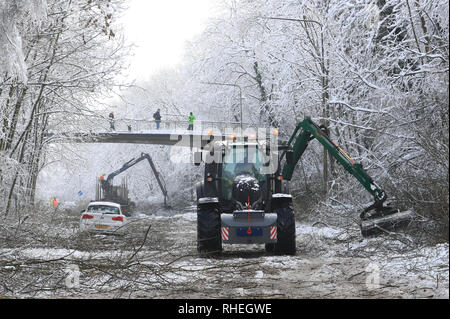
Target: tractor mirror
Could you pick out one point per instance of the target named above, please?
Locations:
(197, 158)
(290, 157)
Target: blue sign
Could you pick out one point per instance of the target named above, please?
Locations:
(80, 193)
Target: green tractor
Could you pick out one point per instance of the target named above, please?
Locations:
(244, 197)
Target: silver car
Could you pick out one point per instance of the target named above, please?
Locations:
(103, 217)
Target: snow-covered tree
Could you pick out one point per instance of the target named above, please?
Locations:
(16, 18)
(70, 60)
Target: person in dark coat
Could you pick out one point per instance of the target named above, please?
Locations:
(157, 117)
(111, 121)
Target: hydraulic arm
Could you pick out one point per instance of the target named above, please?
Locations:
(308, 130)
(107, 184)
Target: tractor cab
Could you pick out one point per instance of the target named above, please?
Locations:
(243, 179)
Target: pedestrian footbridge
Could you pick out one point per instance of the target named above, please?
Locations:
(145, 132)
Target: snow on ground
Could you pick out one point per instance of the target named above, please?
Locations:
(330, 263)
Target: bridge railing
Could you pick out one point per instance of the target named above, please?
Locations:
(136, 126)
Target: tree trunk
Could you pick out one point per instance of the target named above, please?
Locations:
(264, 107)
(5, 118)
(14, 120)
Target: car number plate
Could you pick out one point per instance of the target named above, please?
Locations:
(102, 226)
(255, 231)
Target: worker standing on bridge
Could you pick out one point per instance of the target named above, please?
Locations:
(191, 119)
(157, 117)
(111, 121)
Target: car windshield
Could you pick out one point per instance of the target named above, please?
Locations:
(103, 209)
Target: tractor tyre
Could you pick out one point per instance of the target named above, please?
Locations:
(285, 231)
(269, 248)
(209, 239)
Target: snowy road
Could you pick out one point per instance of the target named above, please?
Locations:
(157, 258)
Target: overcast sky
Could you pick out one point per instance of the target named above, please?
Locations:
(159, 29)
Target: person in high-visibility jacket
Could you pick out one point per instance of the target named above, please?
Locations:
(191, 119)
(55, 203)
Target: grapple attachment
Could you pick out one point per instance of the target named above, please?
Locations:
(378, 219)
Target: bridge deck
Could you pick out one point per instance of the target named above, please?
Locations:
(144, 132)
(156, 137)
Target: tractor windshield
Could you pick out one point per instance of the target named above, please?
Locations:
(241, 160)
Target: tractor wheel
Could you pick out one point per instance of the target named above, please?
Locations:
(285, 231)
(209, 240)
(269, 248)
